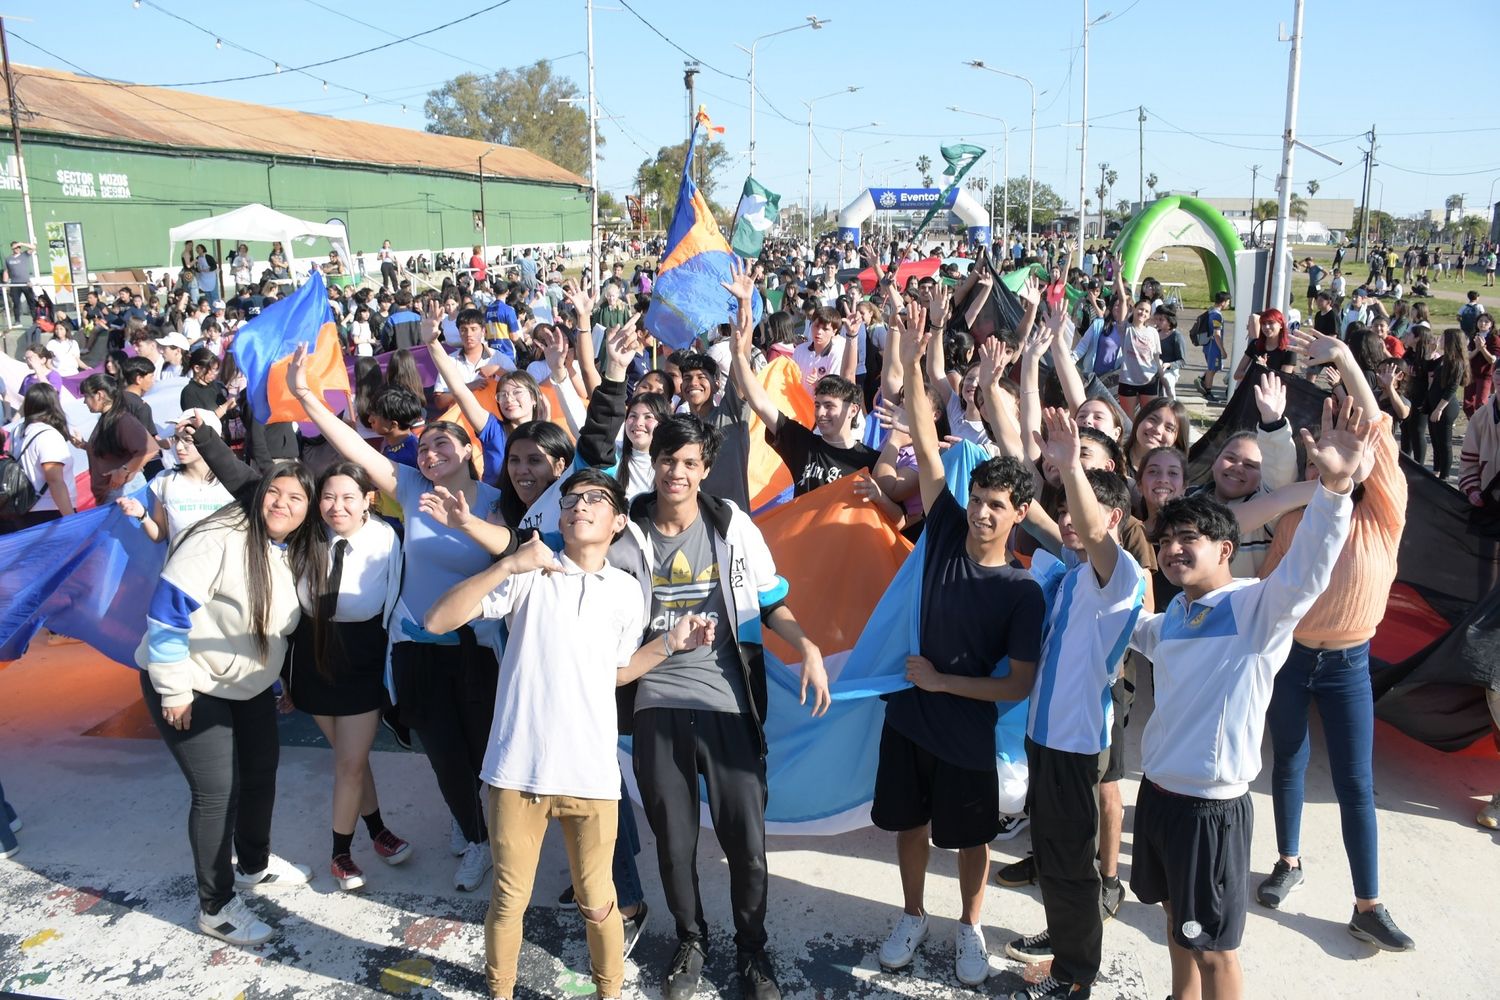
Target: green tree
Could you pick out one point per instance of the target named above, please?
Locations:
(1297, 207)
(1312, 188)
(1382, 224)
(1048, 203)
(658, 178)
(924, 166)
(1264, 210)
(528, 108)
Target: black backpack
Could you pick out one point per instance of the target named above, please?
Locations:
(1199, 332)
(17, 495)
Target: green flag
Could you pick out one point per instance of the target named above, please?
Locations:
(960, 158)
(758, 211)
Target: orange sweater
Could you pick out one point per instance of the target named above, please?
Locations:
(1348, 612)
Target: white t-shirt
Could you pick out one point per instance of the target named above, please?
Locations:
(810, 361)
(555, 724)
(41, 445)
(962, 428)
(487, 359)
(186, 500)
(66, 355)
(1088, 629)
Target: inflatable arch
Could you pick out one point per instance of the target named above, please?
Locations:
(1180, 221)
(960, 202)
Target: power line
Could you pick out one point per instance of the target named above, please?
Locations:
(1440, 173)
(391, 34)
(658, 33)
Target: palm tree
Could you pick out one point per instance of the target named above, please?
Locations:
(1151, 183)
(1298, 208)
(1264, 210)
(924, 165)
(1312, 189)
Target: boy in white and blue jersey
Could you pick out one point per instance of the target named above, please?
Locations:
(1216, 649)
(1095, 597)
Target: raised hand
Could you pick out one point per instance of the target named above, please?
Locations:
(1317, 348)
(451, 510)
(296, 373)
(432, 313)
(1270, 398)
(914, 342)
(1061, 444)
(942, 304)
(1031, 292)
(741, 283)
(555, 347)
(994, 358)
(1340, 447)
(866, 488)
(892, 416)
(1038, 341)
(621, 345)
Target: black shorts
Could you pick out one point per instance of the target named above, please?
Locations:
(914, 788)
(1114, 770)
(1194, 854)
(1151, 388)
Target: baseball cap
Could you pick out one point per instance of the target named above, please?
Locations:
(174, 339)
(209, 417)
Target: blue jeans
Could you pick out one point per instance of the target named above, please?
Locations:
(628, 888)
(1339, 681)
(7, 816)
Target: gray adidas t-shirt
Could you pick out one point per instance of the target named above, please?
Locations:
(685, 580)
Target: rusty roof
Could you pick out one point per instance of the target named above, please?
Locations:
(55, 102)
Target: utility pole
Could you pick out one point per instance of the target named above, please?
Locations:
(1364, 203)
(690, 70)
(1280, 299)
(1254, 174)
(1140, 197)
(1083, 134)
(593, 163)
(15, 138)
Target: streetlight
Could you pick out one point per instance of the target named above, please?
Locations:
(1005, 147)
(484, 220)
(814, 23)
(1031, 157)
(843, 132)
(862, 152)
(809, 106)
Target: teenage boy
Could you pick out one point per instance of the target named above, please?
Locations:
(698, 379)
(702, 712)
(474, 360)
(1097, 595)
(395, 414)
(1216, 648)
(554, 668)
(817, 455)
(1213, 348)
(936, 777)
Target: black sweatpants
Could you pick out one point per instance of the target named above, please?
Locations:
(1062, 799)
(229, 755)
(446, 694)
(673, 746)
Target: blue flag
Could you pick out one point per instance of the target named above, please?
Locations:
(263, 347)
(689, 299)
(89, 576)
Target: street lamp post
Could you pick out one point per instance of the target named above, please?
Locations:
(814, 23)
(843, 132)
(1031, 156)
(809, 106)
(1005, 148)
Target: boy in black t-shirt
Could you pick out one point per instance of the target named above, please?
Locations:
(936, 776)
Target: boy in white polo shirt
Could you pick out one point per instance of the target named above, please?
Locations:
(1216, 649)
(575, 634)
(1096, 594)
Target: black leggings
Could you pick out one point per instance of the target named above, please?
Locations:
(229, 755)
(446, 694)
(1441, 432)
(389, 277)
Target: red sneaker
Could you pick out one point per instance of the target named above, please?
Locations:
(391, 848)
(346, 873)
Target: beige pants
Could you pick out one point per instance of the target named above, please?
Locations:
(518, 821)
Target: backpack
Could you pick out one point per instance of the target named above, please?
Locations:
(17, 495)
(1468, 318)
(1199, 332)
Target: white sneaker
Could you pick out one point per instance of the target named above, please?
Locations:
(279, 873)
(10, 853)
(457, 842)
(1489, 816)
(236, 924)
(475, 865)
(901, 947)
(1011, 826)
(971, 959)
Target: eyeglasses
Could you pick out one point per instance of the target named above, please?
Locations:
(591, 497)
(513, 394)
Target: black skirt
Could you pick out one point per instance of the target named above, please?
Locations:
(354, 681)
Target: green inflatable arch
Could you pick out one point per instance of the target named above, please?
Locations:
(1180, 221)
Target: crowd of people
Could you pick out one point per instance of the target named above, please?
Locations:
(407, 566)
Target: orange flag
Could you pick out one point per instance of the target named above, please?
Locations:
(769, 476)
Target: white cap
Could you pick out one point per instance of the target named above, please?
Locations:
(208, 417)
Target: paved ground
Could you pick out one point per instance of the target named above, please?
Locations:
(100, 903)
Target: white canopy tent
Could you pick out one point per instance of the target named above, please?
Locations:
(259, 224)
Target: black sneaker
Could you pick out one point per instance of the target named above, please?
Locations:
(1111, 895)
(1377, 927)
(634, 926)
(1282, 882)
(1048, 988)
(681, 980)
(1032, 949)
(392, 721)
(1018, 873)
(757, 977)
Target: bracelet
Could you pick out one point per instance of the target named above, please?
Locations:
(666, 642)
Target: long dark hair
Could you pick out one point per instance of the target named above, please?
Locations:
(306, 547)
(553, 442)
(657, 404)
(402, 370)
(40, 405)
(106, 439)
(367, 382)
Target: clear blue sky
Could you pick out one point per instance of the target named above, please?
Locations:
(1214, 69)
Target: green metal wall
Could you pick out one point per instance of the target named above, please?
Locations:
(168, 187)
